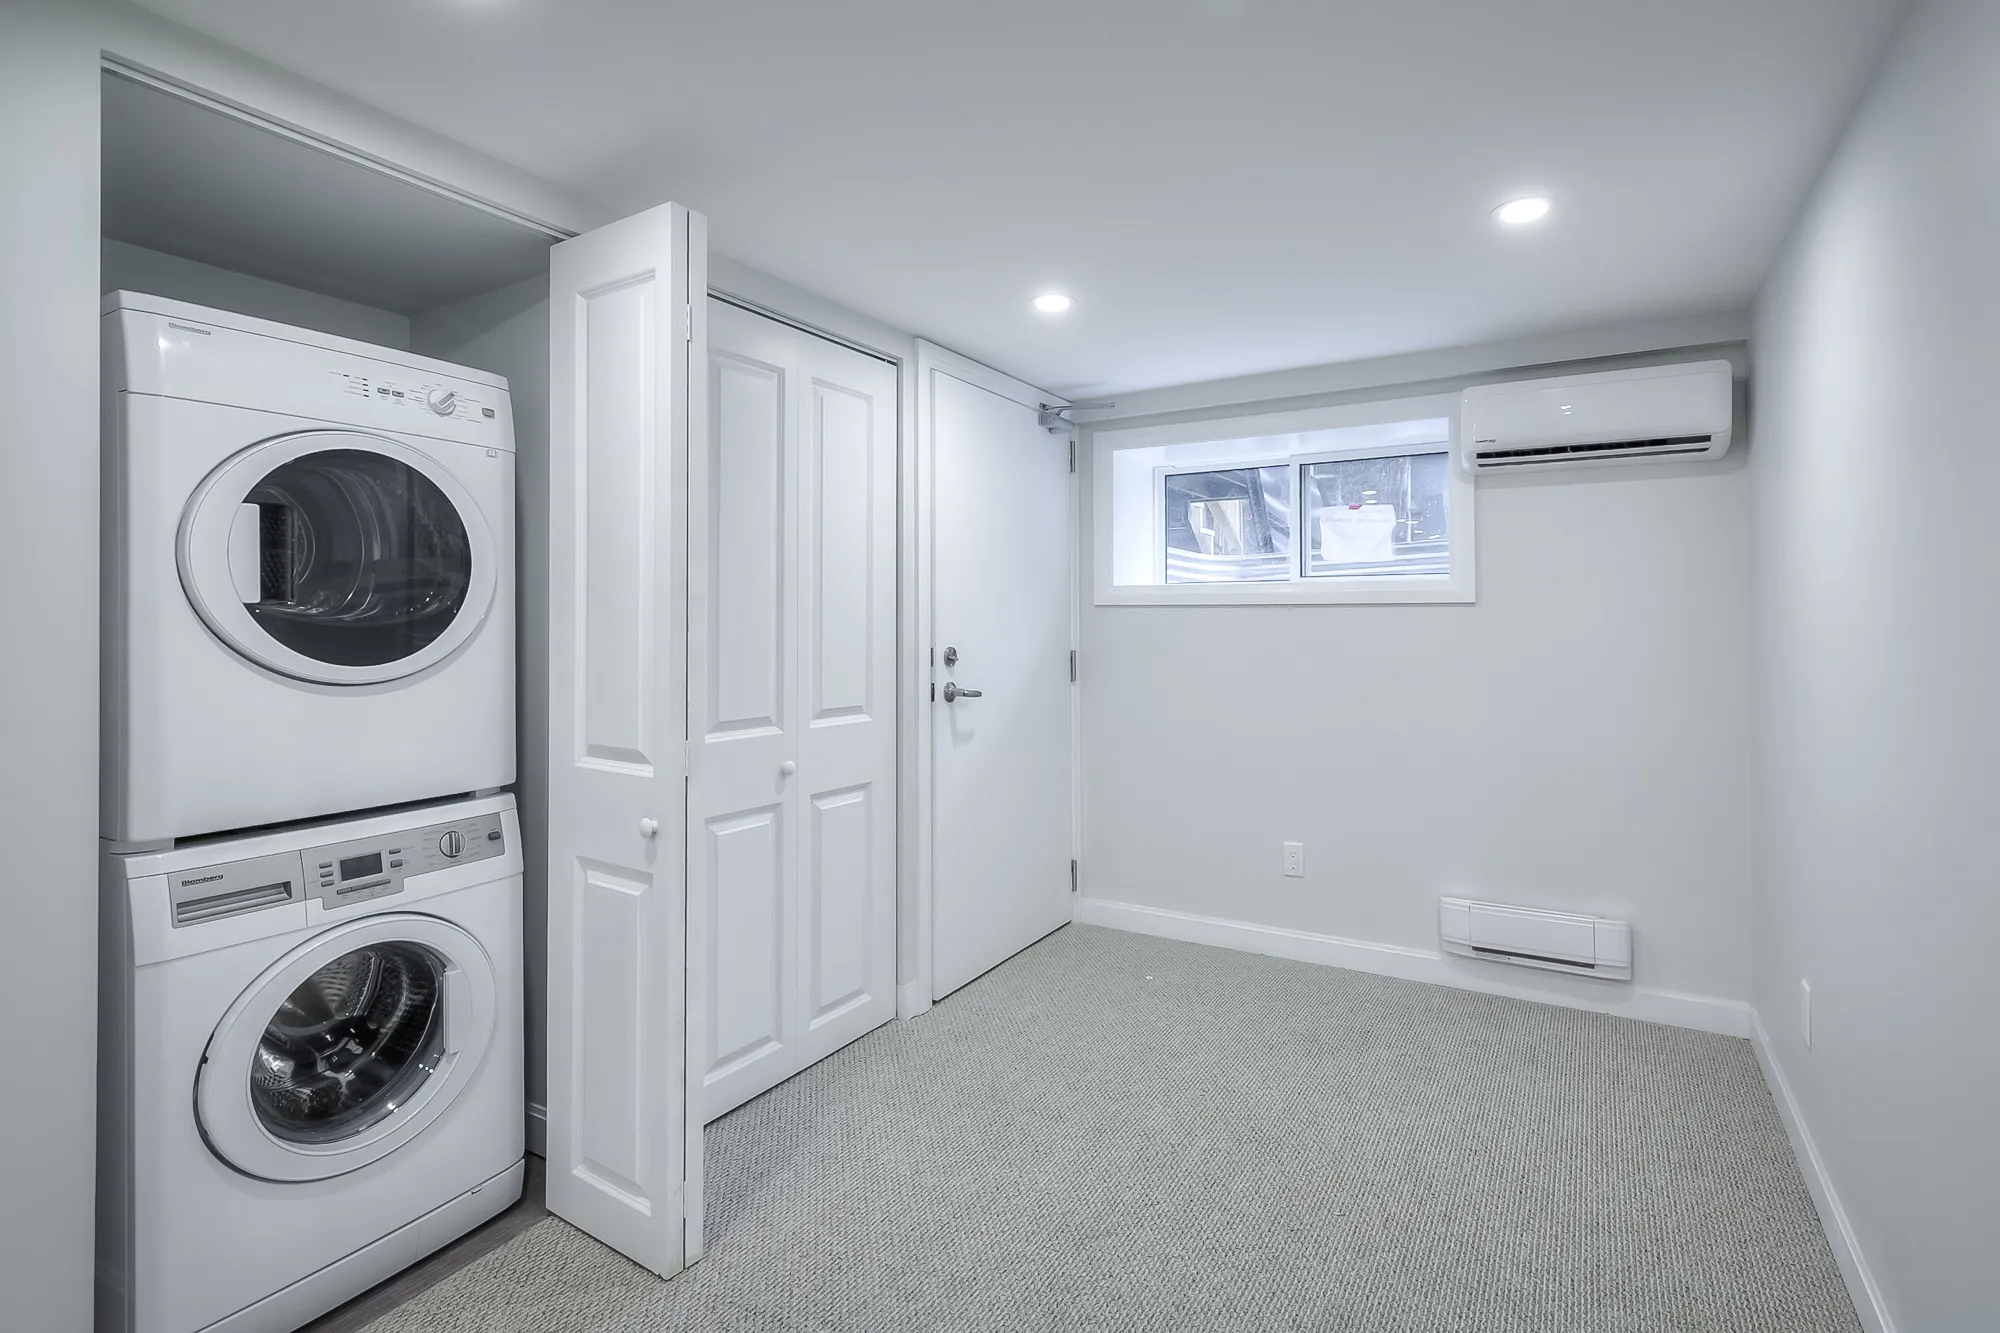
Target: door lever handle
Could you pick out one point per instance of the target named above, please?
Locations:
(953, 693)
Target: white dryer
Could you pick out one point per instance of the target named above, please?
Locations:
(308, 574)
(309, 1063)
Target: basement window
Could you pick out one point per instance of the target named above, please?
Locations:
(1359, 503)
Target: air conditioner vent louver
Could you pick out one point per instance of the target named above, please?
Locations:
(1663, 447)
(1653, 414)
(1592, 946)
(231, 902)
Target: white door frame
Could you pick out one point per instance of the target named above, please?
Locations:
(914, 997)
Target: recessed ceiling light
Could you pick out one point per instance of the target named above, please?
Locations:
(1522, 212)
(1053, 303)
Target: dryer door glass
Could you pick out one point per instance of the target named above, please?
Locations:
(361, 559)
(350, 1044)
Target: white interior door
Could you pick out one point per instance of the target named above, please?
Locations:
(1002, 725)
(623, 1162)
(792, 689)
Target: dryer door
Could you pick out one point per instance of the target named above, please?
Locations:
(337, 556)
(346, 1048)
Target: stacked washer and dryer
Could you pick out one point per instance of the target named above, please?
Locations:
(311, 1028)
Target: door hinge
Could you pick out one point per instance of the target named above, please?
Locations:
(1072, 876)
(1072, 455)
(1072, 666)
(687, 323)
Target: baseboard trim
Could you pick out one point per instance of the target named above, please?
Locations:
(538, 1130)
(1704, 1013)
(911, 1000)
(1861, 1286)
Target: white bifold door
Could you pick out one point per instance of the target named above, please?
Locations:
(792, 697)
(624, 1128)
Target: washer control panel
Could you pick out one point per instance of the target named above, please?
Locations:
(352, 872)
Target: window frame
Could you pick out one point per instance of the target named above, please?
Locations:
(1300, 588)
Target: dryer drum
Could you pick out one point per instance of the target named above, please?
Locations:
(363, 560)
(350, 1044)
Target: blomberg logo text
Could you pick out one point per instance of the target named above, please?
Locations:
(205, 879)
(189, 328)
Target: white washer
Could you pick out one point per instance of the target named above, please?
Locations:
(308, 574)
(309, 1063)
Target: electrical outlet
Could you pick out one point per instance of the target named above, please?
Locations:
(1295, 860)
(1805, 1009)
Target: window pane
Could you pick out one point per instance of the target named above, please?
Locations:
(1377, 517)
(1230, 526)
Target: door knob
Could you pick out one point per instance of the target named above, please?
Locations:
(787, 768)
(649, 828)
(952, 693)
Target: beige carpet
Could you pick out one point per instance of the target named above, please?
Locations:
(1113, 1132)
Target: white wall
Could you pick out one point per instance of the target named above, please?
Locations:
(1578, 739)
(48, 661)
(507, 332)
(133, 268)
(1875, 475)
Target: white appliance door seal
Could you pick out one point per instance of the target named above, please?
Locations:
(346, 1048)
(400, 564)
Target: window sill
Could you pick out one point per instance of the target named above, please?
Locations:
(1355, 592)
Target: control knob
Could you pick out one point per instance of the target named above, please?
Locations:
(442, 401)
(452, 843)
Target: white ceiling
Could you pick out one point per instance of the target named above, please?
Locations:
(1226, 186)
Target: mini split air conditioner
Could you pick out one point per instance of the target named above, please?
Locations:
(1593, 946)
(1625, 416)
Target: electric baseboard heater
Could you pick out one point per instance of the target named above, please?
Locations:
(1590, 946)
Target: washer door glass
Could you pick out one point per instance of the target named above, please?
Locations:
(352, 1042)
(347, 1047)
(339, 557)
(361, 559)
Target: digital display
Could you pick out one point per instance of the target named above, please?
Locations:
(354, 867)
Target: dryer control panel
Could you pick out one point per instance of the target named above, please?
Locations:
(175, 350)
(351, 872)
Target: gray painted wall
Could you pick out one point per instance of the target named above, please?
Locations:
(1876, 466)
(133, 268)
(48, 661)
(507, 332)
(1577, 740)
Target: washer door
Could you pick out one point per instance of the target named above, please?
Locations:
(337, 557)
(346, 1048)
